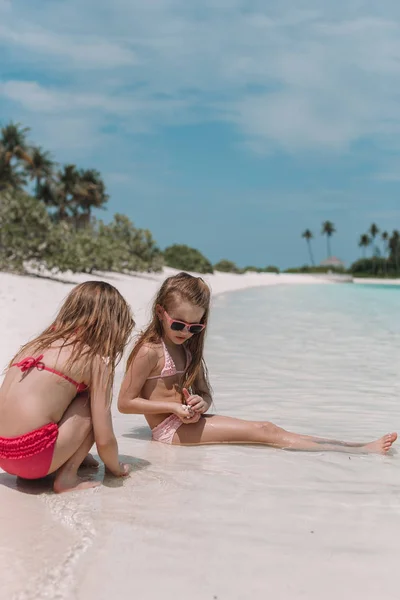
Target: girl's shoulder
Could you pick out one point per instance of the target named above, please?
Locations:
(150, 351)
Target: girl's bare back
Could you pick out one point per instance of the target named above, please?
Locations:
(33, 397)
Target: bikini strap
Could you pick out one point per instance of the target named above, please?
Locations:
(79, 386)
(169, 365)
(31, 363)
(36, 363)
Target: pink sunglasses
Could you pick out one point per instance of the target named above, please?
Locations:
(181, 325)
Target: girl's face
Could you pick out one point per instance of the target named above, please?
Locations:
(185, 312)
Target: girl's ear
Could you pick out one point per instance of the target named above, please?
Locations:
(159, 311)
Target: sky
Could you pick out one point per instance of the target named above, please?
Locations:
(227, 125)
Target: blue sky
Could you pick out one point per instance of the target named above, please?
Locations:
(229, 125)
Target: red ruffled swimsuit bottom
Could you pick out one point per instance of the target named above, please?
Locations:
(29, 455)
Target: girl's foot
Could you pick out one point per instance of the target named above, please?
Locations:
(382, 445)
(90, 462)
(67, 482)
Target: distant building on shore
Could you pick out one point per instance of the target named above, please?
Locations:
(334, 262)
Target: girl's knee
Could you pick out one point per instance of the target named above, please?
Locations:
(265, 429)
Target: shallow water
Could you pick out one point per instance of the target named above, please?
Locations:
(241, 522)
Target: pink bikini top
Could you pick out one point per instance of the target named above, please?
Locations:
(169, 367)
(31, 363)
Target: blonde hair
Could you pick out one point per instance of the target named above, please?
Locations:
(95, 320)
(180, 287)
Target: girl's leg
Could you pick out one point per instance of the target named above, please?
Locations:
(213, 429)
(75, 438)
(67, 478)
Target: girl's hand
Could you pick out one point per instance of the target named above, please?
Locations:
(196, 403)
(123, 471)
(186, 414)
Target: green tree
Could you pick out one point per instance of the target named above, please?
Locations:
(73, 193)
(24, 230)
(14, 156)
(308, 236)
(368, 267)
(271, 269)
(226, 266)
(89, 192)
(40, 168)
(180, 256)
(135, 249)
(385, 240)
(364, 242)
(394, 247)
(65, 191)
(373, 231)
(11, 178)
(328, 229)
(13, 143)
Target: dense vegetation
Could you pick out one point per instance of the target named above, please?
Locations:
(46, 216)
(185, 258)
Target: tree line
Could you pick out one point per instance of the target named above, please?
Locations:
(385, 255)
(46, 220)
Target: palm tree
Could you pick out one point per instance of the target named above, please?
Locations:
(374, 230)
(394, 246)
(9, 176)
(364, 242)
(73, 193)
(385, 240)
(328, 229)
(40, 168)
(13, 151)
(13, 143)
(59, 192)
(67, 180)
(47, 192)
(90, 192)
(307, 235)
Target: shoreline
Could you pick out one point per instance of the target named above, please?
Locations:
(28, 302)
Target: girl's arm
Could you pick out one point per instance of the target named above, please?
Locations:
(100, 403)
(129, 399)
(202, 399)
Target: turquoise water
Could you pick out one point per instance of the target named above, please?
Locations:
(322, 359)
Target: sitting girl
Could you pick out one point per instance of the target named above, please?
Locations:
(166, 381)
(55, 400)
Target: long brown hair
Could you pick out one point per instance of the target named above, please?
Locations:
(180, 287)
(94, 319)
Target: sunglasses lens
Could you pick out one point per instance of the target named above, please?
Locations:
(176, 326)
(196, 328)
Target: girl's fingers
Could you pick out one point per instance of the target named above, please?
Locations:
(196, 403)
(193, 400)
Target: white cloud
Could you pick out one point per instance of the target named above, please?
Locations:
(80, 51)
(322, 77)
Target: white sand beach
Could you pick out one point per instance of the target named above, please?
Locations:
(179, 526)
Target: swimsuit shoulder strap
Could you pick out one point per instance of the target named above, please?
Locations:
(169, 367)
